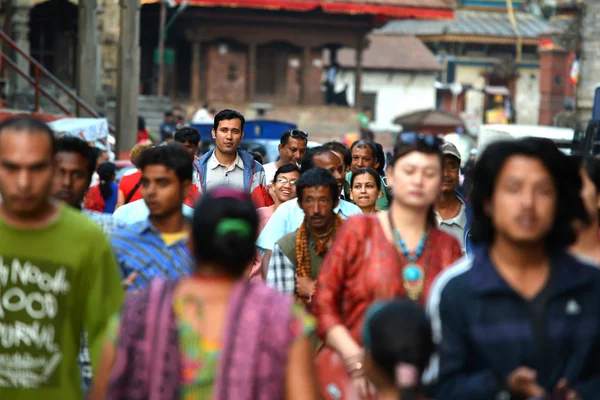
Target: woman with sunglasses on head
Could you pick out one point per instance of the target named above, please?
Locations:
(282, 189)
(365, 189)
(378, 257)
(212, 335)
(292, 147)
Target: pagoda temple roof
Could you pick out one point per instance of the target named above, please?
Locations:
(421, 9)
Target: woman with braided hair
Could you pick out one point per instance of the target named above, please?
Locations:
(379, 257)
(297, 257)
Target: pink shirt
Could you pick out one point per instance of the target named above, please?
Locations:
(264, 215)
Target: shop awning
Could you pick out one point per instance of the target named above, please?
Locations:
(422, 9)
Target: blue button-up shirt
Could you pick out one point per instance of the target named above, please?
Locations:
(140, 248)
(289, 216)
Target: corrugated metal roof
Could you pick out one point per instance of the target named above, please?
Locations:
(471, 22)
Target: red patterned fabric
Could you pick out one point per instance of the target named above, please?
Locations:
(93, 199)
(363, 266)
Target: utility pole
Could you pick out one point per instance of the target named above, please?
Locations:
(129, 75)
(161, 47)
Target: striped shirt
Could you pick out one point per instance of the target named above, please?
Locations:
(140, 248)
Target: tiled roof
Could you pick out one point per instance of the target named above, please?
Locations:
(399, 53)
(471, 23)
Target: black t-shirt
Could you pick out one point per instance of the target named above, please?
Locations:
(537, 311)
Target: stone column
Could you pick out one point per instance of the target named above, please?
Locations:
(128, 81)
(20, 21)
(590, 59)
(360, 44)
(251, 83)
(196, 69)
(306, 64)
(87, 55)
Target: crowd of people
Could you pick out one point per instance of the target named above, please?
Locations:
(333, 273)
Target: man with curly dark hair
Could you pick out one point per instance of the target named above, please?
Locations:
(519, 319)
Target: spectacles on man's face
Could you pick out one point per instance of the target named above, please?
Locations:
(283, 181)
(297, 133)
(429, 140)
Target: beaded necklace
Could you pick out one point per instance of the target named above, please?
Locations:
(413, 275)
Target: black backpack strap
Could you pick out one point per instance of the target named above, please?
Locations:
(135, 189)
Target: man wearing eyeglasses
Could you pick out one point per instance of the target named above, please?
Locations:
(292, 146)
(452, 210)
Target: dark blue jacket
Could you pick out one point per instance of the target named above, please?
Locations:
(469, 212)
(484, 331)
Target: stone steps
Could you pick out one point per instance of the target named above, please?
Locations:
(152, 108)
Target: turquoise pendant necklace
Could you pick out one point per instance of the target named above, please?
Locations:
(413, 275)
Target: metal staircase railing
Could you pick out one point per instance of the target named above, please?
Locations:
(39, 71)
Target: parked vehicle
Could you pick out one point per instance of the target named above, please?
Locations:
(563, 137)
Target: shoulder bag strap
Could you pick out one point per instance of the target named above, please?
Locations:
(135, 189)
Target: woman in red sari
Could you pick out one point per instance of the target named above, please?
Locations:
(379, 257)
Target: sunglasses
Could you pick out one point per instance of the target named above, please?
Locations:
(429, 140)
(297, 133)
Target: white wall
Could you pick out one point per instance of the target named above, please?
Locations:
(397, 92)
(527, 96)
(527, 102)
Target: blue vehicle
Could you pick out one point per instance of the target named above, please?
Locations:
(253, 130)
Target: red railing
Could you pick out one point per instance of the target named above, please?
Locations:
(40, 71)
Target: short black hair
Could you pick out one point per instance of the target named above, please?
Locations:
(380, 159)
(187, 134)
(73, 144)
(366, 171)
(168, 113)
(28, 124)
(258, 157)
(284, 169)
(173, 156)
(316, 177)
(141, 123)
(398, 333)
(363, 144)
(285, 138)
(226, 115)
(591, 166)
(214, 242)
(307, 160)
(341, 148)
(565, 175)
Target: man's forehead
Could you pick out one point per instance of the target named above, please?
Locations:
(231, 123)
(157, 170)
(22, 147)
(296, 142)
(361, 149)
(329, 157)
(71, 158)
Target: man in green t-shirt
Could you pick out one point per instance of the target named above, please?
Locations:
(58, 274)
